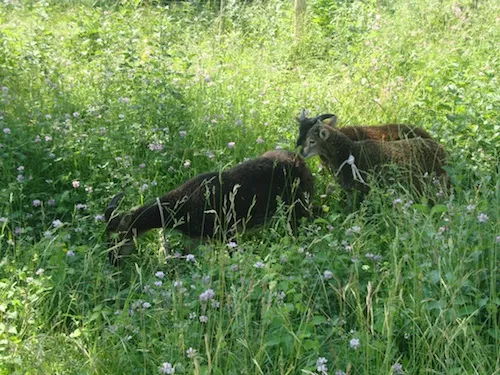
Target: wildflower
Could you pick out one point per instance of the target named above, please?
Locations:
(203, 319)
(3, 219)
(36, 202)
(329, 227)
(37, 139)
(397, 201)
(182, 133)
(158, 283)
(102, 130)
(207, 79)
(156, 146)
(39, 271)
(281, 296)
(167, 368)
(321, 365)
(17, 231)
(160, 274)
(215, 304)
(124, 100)
(328, 275)
(70, 253)
(48, 138)
(397, 368)
(259, 265)
(76, 114)
(51, 202)
(121, 116)
(6, 130)
(497, 239)
(29, 279)
(191, 353)
(283, 259)
(207, 295)
(231, 145)
(354, 344)
(20, 168)
(177, 284)
(210, 155)
(57, 223)
(76, 184)
(187, 164)
(142, 165)
(190, 258)
(192, 315)
(89, 189)
(99, 217)
(470, 207)
(146, 305)
(234, 267)
(260, 140)
(340, 372)
(482, 217)
(81, 206)
(232, 244)
(144, 187)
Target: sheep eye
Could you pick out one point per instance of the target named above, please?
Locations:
(312, 141)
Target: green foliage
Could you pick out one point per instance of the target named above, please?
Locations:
(99, 97)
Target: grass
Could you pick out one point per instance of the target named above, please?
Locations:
(95, 99)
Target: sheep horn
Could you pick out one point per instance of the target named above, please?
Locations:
(324, 116)
(112, 206)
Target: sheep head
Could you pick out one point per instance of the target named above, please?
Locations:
(305, 124)
(119, 232)
(316, 139)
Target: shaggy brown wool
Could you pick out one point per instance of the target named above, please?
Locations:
(218, 203)
(414, 157)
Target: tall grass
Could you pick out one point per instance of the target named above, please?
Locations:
(102, 97)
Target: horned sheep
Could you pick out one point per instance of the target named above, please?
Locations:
(204, 206)
(355, 162)
(386, 132)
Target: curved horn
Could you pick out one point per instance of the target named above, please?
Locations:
(324, 116)
(112, 206)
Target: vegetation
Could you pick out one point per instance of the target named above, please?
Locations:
(138, 96)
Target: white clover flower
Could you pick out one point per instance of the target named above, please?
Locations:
(207, 295)
(328, 275)
(167, 368)
(354, 344)
(203, 319)
(321, 365)
(57, 223)
(191, 353)
(482, 217)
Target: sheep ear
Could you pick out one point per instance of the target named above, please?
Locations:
(332, 121)
(324, 134)
(112, 206)
(302, 116)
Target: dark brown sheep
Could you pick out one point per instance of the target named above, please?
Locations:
(355, 162)
(387, 132)
(217, 203)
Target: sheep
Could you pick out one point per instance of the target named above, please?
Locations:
(386, 132)
(216, 203)
(354, 162)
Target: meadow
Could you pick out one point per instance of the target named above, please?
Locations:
(99, 97)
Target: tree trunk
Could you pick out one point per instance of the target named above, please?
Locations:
(300, 10)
